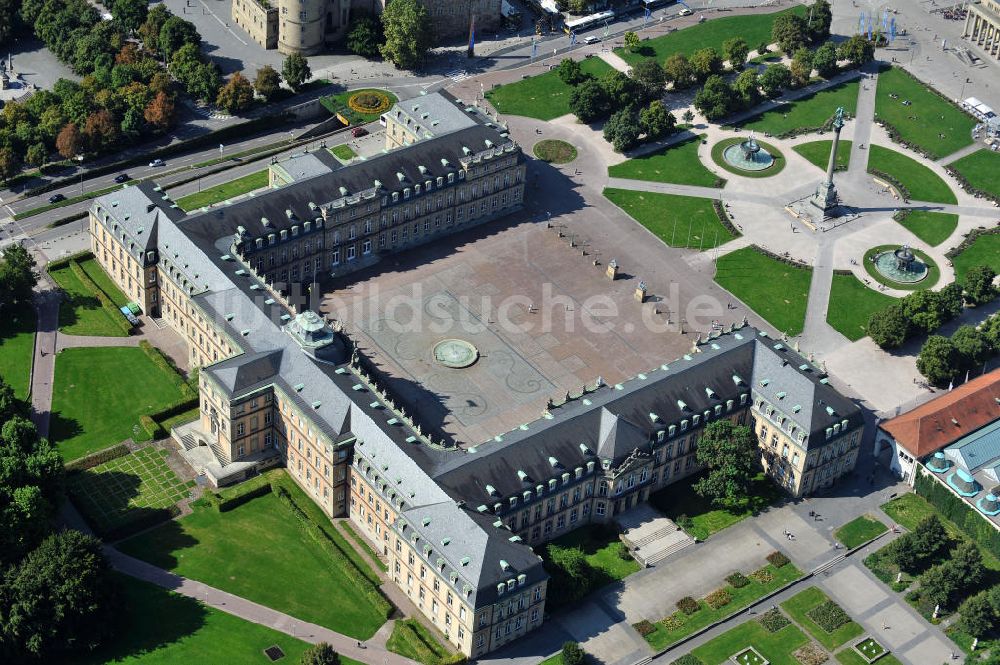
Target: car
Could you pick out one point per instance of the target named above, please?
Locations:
(359, 131)
(592, 40)
(156, 162)
(122, 177)
(685, 12)
(56, 198)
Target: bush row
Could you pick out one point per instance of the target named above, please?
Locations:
(723, 215)
(109, 307)
(969, 187)
(233, 497)
(900, 187)
(64, 262)
(98, 458)
(165, 364)
(970, 238)
(974, 525)
(340, 559)
(425, 653)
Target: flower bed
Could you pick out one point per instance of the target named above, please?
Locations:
(738, 580)
(687, 605)
(829, 616)
(773, 620)
(369, 101)
(718, 598)
(762, 575)
(810, 654)
(777, 559)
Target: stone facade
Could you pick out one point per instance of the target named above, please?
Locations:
(259, 18)
(299, 26)
(982, 26)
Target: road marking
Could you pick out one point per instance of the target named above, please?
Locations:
(222, 23)
(458, 75)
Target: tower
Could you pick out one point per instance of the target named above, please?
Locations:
(825, 197)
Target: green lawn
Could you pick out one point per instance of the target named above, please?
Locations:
(776, 290)
(600, 547)
(100, 393)
(338, 104)
(554, 151)
(921, 183)
(678, 164)
(159, 627)
(984, 251)
(683, 624)
(343, 152)
(859, 530)
(553, 660)
(95, 272)
(774, 169)
(17, 346)
(818, 152)
(80, 312)
(798, 607)
(411, 639)
(852, 304)
(981, 169)
(933, 272)
(223, 192)
(363, 544)
(809, 112)
(922, 122)
(679, 502)
(755, 28)
(775, 647)
(931, 227)
(126, 489)
(544, 96)
(259, 551)
(679, 221)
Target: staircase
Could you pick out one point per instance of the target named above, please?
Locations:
(650, 536)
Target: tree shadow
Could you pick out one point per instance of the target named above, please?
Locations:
(62, 428)
(161, 546)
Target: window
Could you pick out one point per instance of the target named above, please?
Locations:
(366, 247)
(599, 508)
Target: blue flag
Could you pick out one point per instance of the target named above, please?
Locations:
(649, 13)
(892, 29)
(861, 23)
(572, 38)
(534, 47)
(885, 21)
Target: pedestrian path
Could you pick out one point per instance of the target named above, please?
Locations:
(614, 60)
(960, 153)
(375, 654)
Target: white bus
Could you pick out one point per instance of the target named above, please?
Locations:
(587, 22)
(652, 4)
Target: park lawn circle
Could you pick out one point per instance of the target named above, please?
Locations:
(773, 169)
(932, 277)
(554, 151)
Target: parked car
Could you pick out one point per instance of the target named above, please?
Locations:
(156, 162)
(56, 198)
(685, 12)
(359, 131)
(122, 177)
(592, 40)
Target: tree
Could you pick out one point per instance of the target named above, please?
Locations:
(320, 654)
(940, 584)
(968, 563)
(59, 599)
(621, 90)
(775, 79)
(632, 41)
(688, 116)
(706, 62)
(175, 33)
(160, 112)
(408, 33)
(889, 327)
(818, 21)
(149, 31)
(736, 50)
(569, 572)
(972, 345)
(622, 131)
(569, 72)
(747, 88)
(236, 95)
(857, 50)
(715, 99)
(588, 101)
(9, 19)
(36, 154)
(130, 14)
(101, 130)
(678, 70)
(825, 60)
(939, 361)
(649, 74)
(365, 37)
(204, 82)
(789, 32)
(979, 617)
(69, 142)
(17, 275)
(979, 285)
(10, 163)
(730, 452)
(267, 82)
(656, 121)
(573, 654)
(296, 70)
(951, 300)
(802, 66)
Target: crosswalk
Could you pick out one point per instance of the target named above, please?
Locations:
(458, 75)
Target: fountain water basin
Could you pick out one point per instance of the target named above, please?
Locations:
(748, 155)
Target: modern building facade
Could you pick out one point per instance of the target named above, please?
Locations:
(456, 523)
(982, 26)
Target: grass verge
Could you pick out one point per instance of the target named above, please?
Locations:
(809, 113)
(852, 304)
(544, 96)
(776, 290)
(983, 251)
(799, 606)
(859, 530)
(554, 151)
(223, 192)
(981, 169)
(931, 227)
(678, 163)
(921, 183)
(818, 153)
(411, 639)
(679, 221)
(17, 346)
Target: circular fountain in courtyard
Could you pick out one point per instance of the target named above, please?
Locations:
(455, 353)
(748, 155)
(900, 265)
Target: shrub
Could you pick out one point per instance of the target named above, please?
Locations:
(738, 580)
(773, 620)
(151, 427)
(237, 496)
(763, 575)
(573, 654)
(623, 553)
(644, 627)
(829, 616)
(688, 605)
(777, 559)
(718, 598)
(98, 458)
(146, 519)
(688, 659)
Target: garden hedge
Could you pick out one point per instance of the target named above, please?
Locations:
(98, 458)
(64, 262)
(164, 363)
(109, 307)
(149, 518)
(234, 497)
(974, 525)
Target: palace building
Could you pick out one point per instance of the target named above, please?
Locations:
(982, 26)
(456, 521)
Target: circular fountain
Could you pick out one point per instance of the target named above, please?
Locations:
(455, 353)
(900, 265)
(748, 155)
